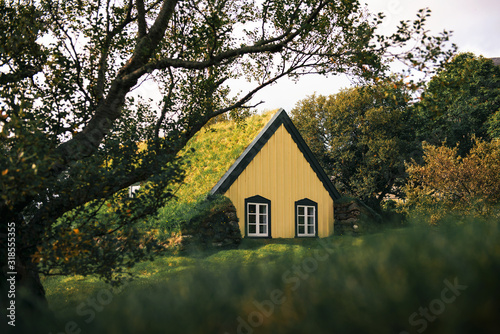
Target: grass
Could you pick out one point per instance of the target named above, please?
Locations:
(377, 283)
(65, 293)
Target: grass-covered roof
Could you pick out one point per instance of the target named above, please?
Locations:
(216, 147)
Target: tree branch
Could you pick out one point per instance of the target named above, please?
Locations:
(102, 67)
(141, 18)
(166, 104)
(88, 140)
(6, 78)
(73, 54)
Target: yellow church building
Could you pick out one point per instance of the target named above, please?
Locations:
(278, 187)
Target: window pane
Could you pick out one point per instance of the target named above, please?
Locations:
(310, 229)
(252, 229)
(252, 208)
(263, 209)
(301, 210)
(310, 221)
(310, 210)
(252, 219)
(301, 220)
(301, 229)
(263, 229)
(263, 219)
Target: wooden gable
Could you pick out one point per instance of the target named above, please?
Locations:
(279, 166)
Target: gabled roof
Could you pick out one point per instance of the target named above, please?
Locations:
(280, 118)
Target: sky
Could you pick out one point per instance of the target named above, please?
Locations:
(475, 25)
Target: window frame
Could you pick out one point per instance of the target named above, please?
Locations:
(306, 203)
(258, 201)
(133, 188)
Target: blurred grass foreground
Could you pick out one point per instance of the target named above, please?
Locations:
(409, 280)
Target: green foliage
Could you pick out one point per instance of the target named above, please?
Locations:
(362, 136)
(68, 247)
(460, 102)
(494, 125)
(386, 278)
(450, 184)
(204, 210)
(21, 26)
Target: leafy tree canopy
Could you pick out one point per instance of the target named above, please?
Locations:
(461, 101)
(362, 137)
(70, 130)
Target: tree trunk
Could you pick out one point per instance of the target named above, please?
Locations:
(28, 291)
(28, 281)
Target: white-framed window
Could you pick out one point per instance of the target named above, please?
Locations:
(258, 217)
(306, 218)
(133, 188)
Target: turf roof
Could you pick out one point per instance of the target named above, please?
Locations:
(216, 148)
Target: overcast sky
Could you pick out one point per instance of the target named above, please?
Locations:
(475, 25)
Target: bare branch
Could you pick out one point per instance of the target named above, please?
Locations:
(241, 102)
(166, 104)
(73, 53)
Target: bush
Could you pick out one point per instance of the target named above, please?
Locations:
(447, 183)
(212, 223)
(209, 220)
(392, 213)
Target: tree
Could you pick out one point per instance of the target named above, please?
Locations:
(362, 136)
(448, 183)
(494, 125)
(460, 102)
(73, 137)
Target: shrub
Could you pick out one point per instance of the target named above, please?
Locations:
(209, 220)
(449, 184)
(212, 222)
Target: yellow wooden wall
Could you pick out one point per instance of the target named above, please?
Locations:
(280, 173)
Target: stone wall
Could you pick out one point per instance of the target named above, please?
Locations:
(353, 216)
(216, 227)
